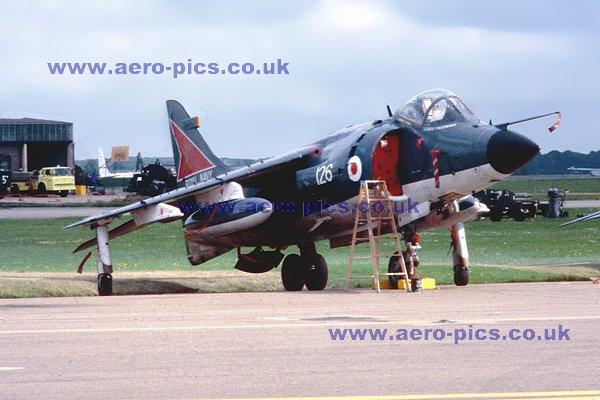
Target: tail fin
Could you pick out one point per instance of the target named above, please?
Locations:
(102, 167)
(194, 160)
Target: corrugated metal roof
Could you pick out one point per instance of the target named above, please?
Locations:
(35, 130)
(30, 121)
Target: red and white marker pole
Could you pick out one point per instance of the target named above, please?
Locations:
(436, 170)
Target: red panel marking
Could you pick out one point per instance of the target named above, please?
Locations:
(315, 151)
(386, 164)
(191, 158)
(87, 257)
(419, 142)
(354, 168)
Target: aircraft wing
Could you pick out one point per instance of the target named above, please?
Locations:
(240, 175)
(584, 218)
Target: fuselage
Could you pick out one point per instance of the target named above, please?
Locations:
(430, 164)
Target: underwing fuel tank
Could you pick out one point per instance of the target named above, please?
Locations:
(228, 217)
(468, 209)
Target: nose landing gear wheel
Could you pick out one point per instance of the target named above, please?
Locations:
(461, 275)
(105, 285)
(394, 267)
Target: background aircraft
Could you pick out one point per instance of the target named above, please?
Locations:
(591, 171)
(104, 171)
(433, 153)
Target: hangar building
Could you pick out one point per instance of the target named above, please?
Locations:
(37, 143)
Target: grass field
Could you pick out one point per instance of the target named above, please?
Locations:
(541, 186)
(506, 251)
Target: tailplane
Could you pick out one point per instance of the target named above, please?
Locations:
(194, 160)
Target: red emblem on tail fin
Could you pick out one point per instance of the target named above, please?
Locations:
(191, 158)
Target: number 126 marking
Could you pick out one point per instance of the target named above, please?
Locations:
(324, 174)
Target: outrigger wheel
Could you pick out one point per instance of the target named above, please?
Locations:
(461, 275)
(105, 287)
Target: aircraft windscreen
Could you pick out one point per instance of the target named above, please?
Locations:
(434, 108)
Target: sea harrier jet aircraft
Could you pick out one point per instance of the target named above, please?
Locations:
(433, 153)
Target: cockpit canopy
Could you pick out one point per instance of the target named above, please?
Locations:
(435, 108)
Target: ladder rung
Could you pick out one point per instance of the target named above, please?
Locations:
(373, 276)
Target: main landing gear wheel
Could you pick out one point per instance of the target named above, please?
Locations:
(105, 287)
(296, 272)
(317, 274)
(461, 275)
(292, 273)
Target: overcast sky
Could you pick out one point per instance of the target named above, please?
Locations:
(507, 60)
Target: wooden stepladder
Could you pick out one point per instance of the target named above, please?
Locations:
(376, 211)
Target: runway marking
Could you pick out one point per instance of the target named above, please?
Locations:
(346, 317)
(324, 323)
(563, 395)
(2, 369)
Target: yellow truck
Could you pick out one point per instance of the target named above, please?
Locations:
(57, 180)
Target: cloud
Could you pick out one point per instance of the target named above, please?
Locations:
(346, 60)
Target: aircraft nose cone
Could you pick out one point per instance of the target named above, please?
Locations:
(508, 151)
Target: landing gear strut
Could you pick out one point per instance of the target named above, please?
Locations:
(105, 287)
(309, 268)
(460, 254)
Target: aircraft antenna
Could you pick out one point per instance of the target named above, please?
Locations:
(505, 125)
(389, 110)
